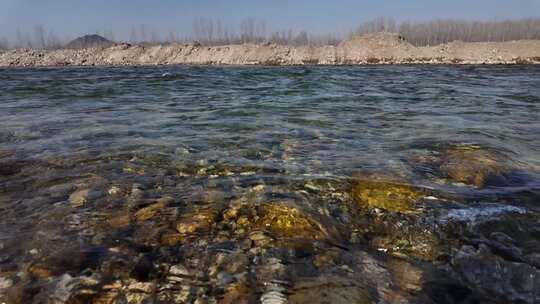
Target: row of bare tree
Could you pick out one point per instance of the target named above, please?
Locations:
(211, 32)
(443, 31)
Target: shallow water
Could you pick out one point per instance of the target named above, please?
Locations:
(231, 184)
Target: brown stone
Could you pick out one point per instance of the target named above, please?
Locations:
(198, 222)
(149, 212)
(120, 221)
(472, 165)
(40, 272)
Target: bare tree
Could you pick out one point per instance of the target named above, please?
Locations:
(4, 43)
(142, 33)
(39, 36)
(443, 31)
(133, 38)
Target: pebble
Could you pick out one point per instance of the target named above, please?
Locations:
(257, 188)
(150, 211)
(5, 283)
(145, 287)
(224, 278)
(179, 270)
(80, 197)
(114, 190)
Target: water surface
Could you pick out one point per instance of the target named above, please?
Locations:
(183, 184)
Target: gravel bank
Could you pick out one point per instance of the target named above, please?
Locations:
(379, 48)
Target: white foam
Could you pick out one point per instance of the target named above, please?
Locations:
(476, 215)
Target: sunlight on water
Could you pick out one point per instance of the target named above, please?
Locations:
(276, 185)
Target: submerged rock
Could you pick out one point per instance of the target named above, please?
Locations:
(330, 290)
(472, 165)
(383, 192)
(199, 221)
(81, 197)
(238, 293)
(149, 212)
(286, 221)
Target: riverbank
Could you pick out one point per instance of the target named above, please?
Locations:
(379, 48)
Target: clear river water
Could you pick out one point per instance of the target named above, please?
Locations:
(193, 184)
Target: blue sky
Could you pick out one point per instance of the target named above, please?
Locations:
(75, 17)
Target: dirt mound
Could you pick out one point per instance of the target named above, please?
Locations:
(377, 48)
(376, 41)
(89, 41)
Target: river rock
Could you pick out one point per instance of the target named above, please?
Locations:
(473, 165)
(80, 197)
(149, 212)
(200, 221)
(286, 221)
(498, 279)
(383, 192)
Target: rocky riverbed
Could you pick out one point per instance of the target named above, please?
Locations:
(204, 184)
(155, 229)
(379, 48)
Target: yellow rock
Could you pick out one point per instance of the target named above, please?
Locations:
(285, 221)
(198, 222)
(171, 239)
(149, 212)
(133, 170)
(376, 191)
(105, 298)
(79, 197)
(39, 271)
(243, 221)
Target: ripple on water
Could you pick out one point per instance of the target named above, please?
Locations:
(240, 184)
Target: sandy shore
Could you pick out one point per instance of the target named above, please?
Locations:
(379, 48)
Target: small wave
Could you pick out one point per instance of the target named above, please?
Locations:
(477, 215)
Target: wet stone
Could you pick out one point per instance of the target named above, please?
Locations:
(495, 277)
(5, 283)
(79, 198)
(238, 293)
(198, 221)
(114, 191)
(171, 238)
(179, 270)
(110, 297)
(472, 165)
(382, 192)
(152, 210)
(39, 271)
(120, 221)
(288, 222)
(61, 190)
(329, 290)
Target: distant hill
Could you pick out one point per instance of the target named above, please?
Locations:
(89, 41)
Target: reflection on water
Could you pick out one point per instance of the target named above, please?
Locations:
(270, 185)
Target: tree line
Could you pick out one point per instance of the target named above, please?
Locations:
(443, 31)
(214, 32)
